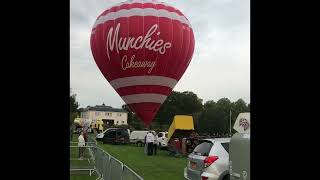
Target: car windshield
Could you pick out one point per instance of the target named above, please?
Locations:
(203, 149)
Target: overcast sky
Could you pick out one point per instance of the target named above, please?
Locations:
(221, 62)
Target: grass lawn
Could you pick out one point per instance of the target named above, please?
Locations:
(83, 177)
(159, 167)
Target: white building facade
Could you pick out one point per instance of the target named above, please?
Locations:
(106, 113)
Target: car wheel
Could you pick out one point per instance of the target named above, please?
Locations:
(139, 144)
(226, 177)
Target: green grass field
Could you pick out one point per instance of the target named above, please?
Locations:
(83, 177)
(159, 167)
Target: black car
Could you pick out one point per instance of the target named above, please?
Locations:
(116, 136)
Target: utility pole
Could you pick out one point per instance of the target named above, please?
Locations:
(230, 124)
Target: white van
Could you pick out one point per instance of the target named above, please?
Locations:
(137, 137)
(163, 139)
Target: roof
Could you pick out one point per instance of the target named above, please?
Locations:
(103, 108)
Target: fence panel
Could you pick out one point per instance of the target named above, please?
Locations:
(116, 169)
(96, 159)
(106, 166)
(128, 174)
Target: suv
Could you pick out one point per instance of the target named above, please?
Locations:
(163, 139)
(99, 136)
(116, 136)
(209, 160)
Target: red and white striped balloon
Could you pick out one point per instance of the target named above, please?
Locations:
(142, 48)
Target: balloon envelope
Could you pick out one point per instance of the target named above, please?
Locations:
(142, 48)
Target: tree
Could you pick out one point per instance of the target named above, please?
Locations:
(130, 114)
(74, 112)
(209, 104)
(73, 103)
(133, 120)
(215, 117)
(178, 103)
(210, 117)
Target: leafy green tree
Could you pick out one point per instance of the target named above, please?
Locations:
(74, 112)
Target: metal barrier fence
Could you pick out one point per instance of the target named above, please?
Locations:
(81, 165)
(96, 160)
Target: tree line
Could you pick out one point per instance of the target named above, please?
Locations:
(209, 117)
(74, 107)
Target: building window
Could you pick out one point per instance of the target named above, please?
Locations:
(122, 122)
(106, 114)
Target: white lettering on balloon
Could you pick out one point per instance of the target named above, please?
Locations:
(126, 64)
(114, 42)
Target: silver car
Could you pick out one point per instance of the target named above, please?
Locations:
(209, 160)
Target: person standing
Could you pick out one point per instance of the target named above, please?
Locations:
(145, 144)
(85, 135)
(81, 145)
(150, 141)
(155, 143)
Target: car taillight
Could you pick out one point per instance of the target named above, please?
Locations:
(204, 178)
(209, 160)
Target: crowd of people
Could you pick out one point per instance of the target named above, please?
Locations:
(151, 144)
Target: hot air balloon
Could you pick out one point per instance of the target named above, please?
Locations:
(142, 48)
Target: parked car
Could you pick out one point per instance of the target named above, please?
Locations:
(163, 139)
(99, 136)
(137, 137)
(209, 160)
(116, 136)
